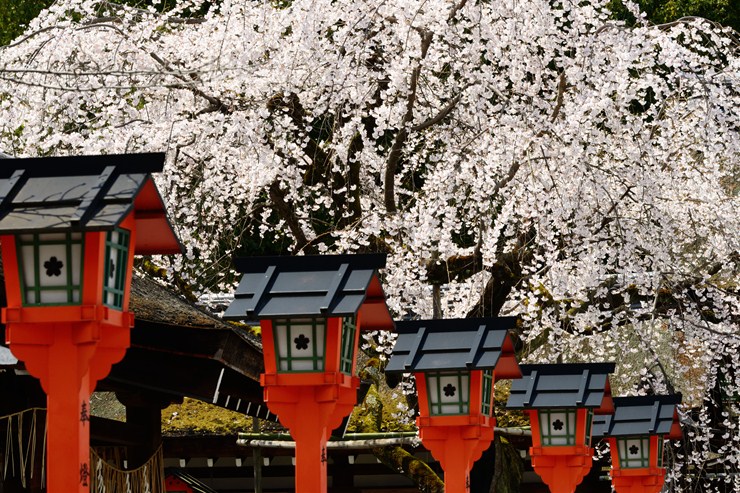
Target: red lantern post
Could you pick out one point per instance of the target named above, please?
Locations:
(455, 363)
(636, 433)
(311, 310)
(69, 228)
(561, 401)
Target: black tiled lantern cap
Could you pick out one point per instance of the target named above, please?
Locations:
(640, 416)
(86, 193)
(454, 344)
(311, 286)
(563, 386)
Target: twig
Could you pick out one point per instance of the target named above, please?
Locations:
(456, 9)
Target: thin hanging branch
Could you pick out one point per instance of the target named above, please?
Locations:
(395, 154)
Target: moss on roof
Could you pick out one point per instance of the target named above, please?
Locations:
(154, 302)
(197, 417)
(106, 405)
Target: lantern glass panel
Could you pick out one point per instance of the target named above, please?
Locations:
(348, 345)
(116, 263)
(449, 392)
(634, 452)
(557, 426)
(487, 397)
(300, 344)
(660, 451)
(51, 268)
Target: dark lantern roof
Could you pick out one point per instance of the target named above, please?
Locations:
(455, 344)
(311, 286)
(86, 193)
(641, 415)
(569, 385)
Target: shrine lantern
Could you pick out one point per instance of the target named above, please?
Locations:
(561, 401)
(636, 434)
(455, 362)
(311, 310)
(69, 229)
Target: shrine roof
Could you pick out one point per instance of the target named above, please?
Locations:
(639, 415)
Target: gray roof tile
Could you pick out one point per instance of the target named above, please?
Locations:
(311, 286)
(639, 415)
(452, 344)
(562, 386)
(91, 193)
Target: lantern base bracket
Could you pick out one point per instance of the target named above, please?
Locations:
(67, 314)
(642, 480)
(562, 468)
(325, 379)
(455, 446)
(79, 353)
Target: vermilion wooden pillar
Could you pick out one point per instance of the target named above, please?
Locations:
(455, 441)
(457, 448)
(311, 310)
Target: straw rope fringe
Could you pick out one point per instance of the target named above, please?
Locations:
(20, 453)
(21, 436)
(108, 478)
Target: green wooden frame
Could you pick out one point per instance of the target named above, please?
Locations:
(548, 418)
(114, 281)
(487, 397)
(626, 461)
(346, 358)
(589, 423)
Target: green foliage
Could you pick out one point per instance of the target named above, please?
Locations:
(377, 413)
(15, 16)
(725, 12)
(417, 470)
(507, 418)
